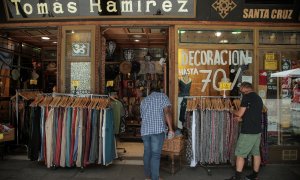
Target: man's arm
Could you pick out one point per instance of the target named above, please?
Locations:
(239, 113)
(168, 118)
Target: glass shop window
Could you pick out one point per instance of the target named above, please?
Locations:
(280, 90)
(216, 36)
(78, 61)
(279, 37)
(211, 68)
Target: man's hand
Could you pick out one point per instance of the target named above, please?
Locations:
(171, 134)
(237, 118)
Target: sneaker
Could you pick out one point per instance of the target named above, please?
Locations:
(233, 178)
(251, 177)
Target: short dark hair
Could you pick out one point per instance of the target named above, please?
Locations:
(154, 89)
(246, 85)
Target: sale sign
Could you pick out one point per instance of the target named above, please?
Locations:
(207, 68)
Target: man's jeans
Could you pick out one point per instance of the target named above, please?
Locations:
(152, 150)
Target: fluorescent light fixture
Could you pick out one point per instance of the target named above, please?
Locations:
(218, 34)
(224, 41)
(45, 38)
(199, 32)
(236, 32)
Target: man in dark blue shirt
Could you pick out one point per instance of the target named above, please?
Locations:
(249, 139)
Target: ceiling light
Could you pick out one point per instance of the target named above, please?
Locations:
(236, 32)
(137, 36)
(72, 31)
(218, 34)
(45, 38)
(199, 32)
(224, 41)
(137, 40)
(54, 42)
(181, 32)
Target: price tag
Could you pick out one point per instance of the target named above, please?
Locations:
(109, 83)
(33, 81)
(225, 85)
(270, 56)
(1, 136)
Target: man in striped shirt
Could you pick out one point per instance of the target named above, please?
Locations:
(156, 116)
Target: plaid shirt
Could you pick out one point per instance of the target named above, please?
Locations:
(152, 113)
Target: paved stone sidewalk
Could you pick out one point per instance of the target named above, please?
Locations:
(25, 169)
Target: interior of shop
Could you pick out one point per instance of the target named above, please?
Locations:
(135, 59)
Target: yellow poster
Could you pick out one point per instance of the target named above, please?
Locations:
(270, 62)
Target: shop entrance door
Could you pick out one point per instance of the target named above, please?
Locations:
(135, 60)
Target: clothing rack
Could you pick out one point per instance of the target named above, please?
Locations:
(18, 91)
(207, 168)
(56, 105)
(229, 97)
(202, 163)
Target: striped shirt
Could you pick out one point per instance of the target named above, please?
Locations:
(152, 113)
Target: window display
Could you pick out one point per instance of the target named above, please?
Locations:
(280, 91)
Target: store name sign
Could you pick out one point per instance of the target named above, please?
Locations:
(51, 9)
(274, 14)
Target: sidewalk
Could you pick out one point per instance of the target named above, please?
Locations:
(25, 169)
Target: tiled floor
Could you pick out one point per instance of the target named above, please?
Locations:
(133, 149)
(132, 156)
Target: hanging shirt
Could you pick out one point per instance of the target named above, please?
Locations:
(118, 110)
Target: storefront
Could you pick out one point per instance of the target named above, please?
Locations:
(202, 43)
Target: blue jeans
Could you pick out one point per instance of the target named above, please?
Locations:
(152, 150)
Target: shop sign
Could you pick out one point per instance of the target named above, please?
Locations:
(250, 11)
(270, 62)
(66, 9)
(280, 14)
(207, 67)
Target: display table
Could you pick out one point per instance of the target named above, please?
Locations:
(171, 161)
(7, 136)
(4, 137)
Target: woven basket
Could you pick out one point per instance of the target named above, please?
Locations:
(174, 145)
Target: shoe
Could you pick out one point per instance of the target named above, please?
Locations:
(251, 177)
(233, 178)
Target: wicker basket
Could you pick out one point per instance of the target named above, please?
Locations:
(174, 145)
